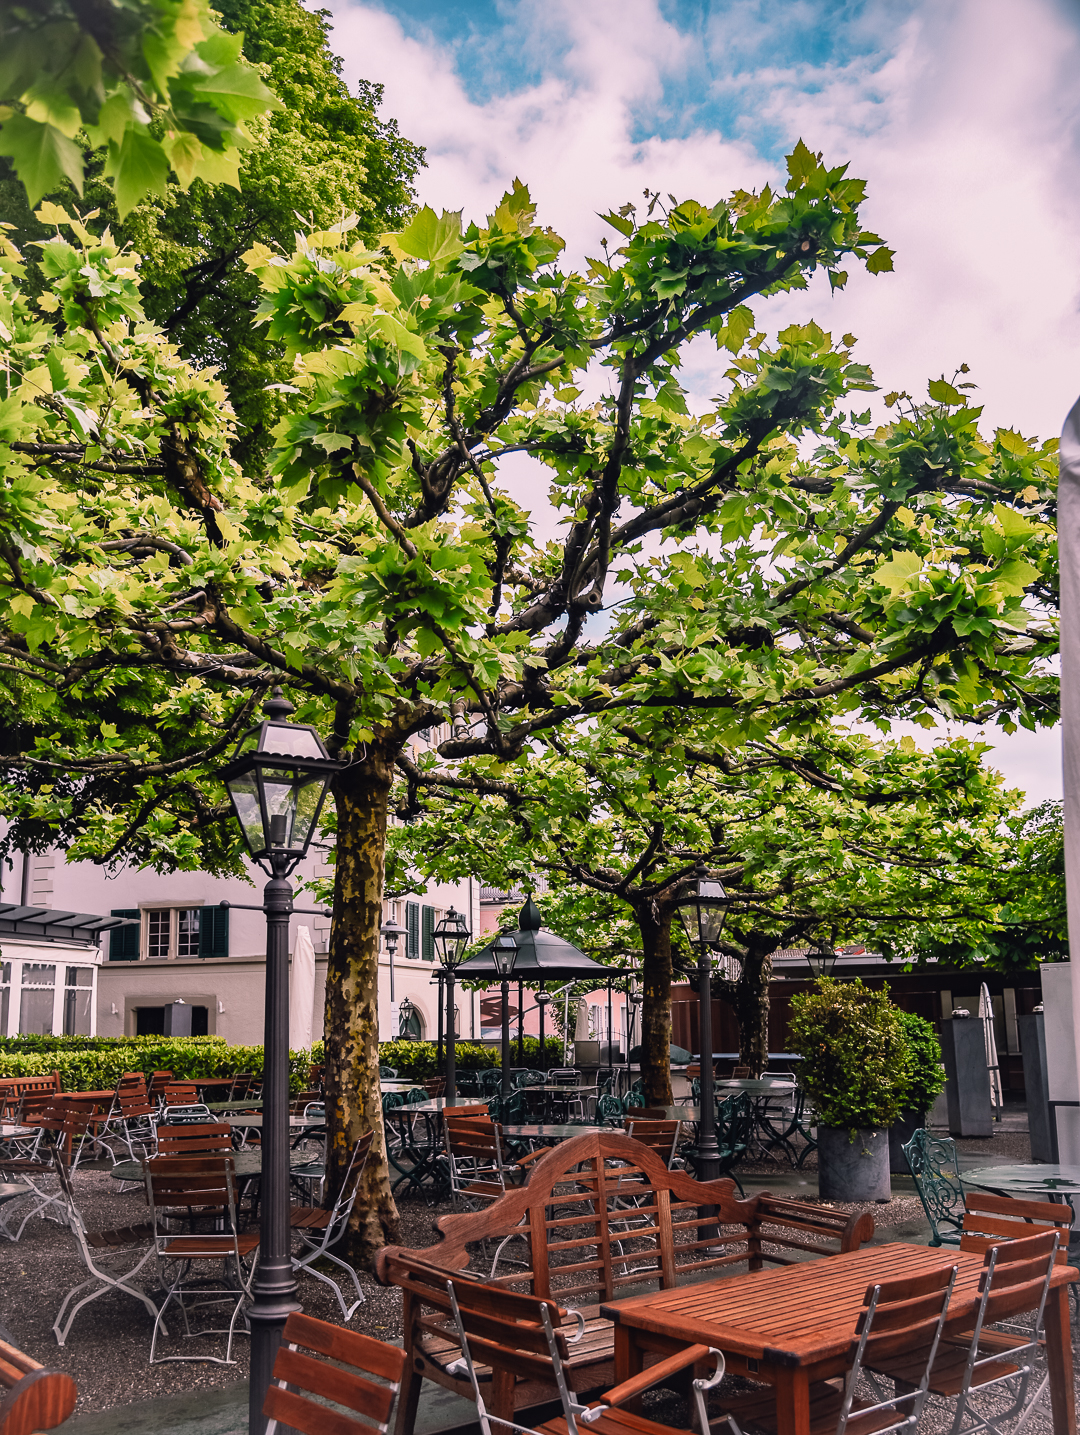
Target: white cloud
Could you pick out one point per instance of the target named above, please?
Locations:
(966, 128)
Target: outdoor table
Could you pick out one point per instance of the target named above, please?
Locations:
(550, 1131)
(433, 1104)
(82, 1098)
(756, 1087)
(1048, 1180)
(790, 1327)
(247, 1163)
(296, 1123)
(399, 1085)
(234, 1106)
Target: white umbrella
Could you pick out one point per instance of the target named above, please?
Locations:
(1069, 551)
(302, 991)
(986, 1015)
(581, 1030)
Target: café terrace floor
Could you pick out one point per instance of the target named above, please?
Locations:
(107, 1348)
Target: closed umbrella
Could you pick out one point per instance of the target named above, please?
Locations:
(302, 991)
(986, 1016)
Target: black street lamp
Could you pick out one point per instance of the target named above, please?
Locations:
(504, 950)
(390, 932)
(542, 999)
(821, 960)
(451, 937)
(702, 912)
(278, 781)
(405, 1016)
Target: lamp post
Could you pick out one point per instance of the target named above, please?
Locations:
(821, 960)
(390, 932)
(702, 912)
(451, 937)
(278, 779)
(542, 999)
(405, 1016)
(504, 952)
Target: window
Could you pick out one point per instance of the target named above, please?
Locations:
(124, 941)
(36, 1008)
(78, 994)
(427, 950)
(412, 929)
(185, 932)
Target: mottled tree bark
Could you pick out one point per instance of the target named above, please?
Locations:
(654, 922)
(352, 999)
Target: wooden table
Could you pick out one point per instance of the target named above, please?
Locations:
(792, 1326)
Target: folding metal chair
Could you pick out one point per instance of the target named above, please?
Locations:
(196, 1183)
(1014, 1281)
(319, 1229)
(130, 1242)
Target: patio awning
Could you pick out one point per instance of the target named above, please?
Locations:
(542, 957)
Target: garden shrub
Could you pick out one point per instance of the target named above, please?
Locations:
(928, 1074)
(857, 1064)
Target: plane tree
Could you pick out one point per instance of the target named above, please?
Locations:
(818, 842)
(769, 563)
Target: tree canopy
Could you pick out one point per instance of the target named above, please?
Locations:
(773, 565)
(835, 839)
(321, 155)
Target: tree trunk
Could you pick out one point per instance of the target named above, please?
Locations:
(353, 1098)
(752, 1005)
(654, 924)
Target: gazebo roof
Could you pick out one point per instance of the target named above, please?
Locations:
(541, 956)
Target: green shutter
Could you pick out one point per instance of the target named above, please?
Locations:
(427, 933)
(412, 929)
(213, 931)
(124, 941)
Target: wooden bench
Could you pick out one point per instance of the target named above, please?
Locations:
(601, 1216)
(14, 1088)
(33, 1398)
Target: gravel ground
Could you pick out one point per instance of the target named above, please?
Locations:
(108, 1347)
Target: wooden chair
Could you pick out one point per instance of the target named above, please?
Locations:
(465, 1113)
(436, 1087)
(1014, 1281)
(320, 1229)
(179, 1093)
(901, 1320)
(479, 1170)
(34, 1398)
(298, 1376)
(199, 1183)
(206, 1139)
(988, 1219)
(740, 1073)
(660, 1136)
(131, 1118)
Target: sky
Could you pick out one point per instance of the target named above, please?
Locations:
(962, 115)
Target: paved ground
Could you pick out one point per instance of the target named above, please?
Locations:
(108, 1347)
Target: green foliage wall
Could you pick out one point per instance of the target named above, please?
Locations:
(96, 1063)
(418, 1060)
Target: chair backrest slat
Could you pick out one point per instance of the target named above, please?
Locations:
(353, 1387)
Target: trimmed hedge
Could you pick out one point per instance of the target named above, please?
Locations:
(97, 1063)
(416, 1060)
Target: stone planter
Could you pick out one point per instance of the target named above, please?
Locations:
(899, 1135)
(853, 1170)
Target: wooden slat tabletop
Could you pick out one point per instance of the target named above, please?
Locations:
(800, 1314)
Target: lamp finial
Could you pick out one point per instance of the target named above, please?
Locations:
(277, 706)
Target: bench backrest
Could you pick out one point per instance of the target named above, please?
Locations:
(595, 1191)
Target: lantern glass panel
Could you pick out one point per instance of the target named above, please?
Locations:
(287, 740)
(244, 791)
(311, 788)
(704, 913)
(279, 794)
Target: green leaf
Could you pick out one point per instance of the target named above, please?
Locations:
(139, 166)
(801, 164)
(1013, 524)
(881, 261)
(943, 392)
(899, 571)
(42, 156)
(238, 91)
(432, 237)
(50, 104)
(620, 222)
(401, 337)
(1014, 576)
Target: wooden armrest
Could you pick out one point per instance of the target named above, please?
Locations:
(531, 1157)
(637, 1384)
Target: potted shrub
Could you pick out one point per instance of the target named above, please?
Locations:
(927, 1081)
(857, 1069)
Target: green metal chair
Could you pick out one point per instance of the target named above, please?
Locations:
(387, 1073)
(529, 1078)
(609, 1111)
(416, 1097)
(932, 1162)
(490, 1079)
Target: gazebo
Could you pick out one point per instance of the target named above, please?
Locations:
(542, 956)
